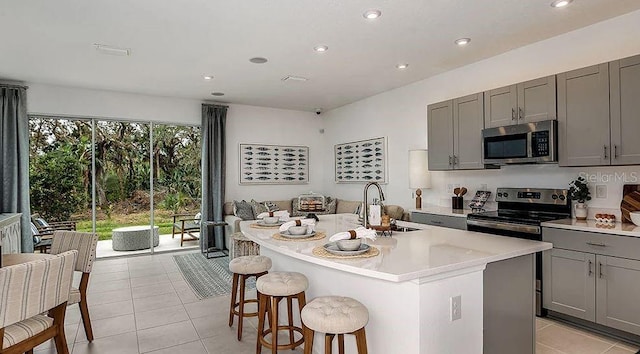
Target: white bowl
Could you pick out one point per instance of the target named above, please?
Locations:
(635, 217)
(349, 244)
(298, 230)
(271, 219)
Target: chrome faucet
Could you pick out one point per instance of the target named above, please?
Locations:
(366, 197)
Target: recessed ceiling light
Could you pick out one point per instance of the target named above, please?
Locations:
(321, 48)
(107, 49)
(258, 60)
(372, 14)
(462, 41)
(402, 66)
(560, 3)
(208, 77)
(217, 93)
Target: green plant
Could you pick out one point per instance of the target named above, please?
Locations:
(579, 190)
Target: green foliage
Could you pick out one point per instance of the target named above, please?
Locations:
(113, 188)
(579, 190)
(56, 184)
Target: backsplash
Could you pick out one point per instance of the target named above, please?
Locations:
(535, 176)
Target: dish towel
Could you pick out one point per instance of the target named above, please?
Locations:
(360, 232)
(288, 224)
(282, 214)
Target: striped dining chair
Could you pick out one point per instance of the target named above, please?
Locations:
(85, 243)
(28, 291)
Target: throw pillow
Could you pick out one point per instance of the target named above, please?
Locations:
(258, 208)
(243, 210)
(271, 206)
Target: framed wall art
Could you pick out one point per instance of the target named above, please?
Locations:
(361, 161)
(274, 164)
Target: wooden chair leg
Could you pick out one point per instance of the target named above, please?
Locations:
(328, 339)
(361, 340)
(262, 312)
(60, 339)
(234, 291)
(84, 308)
(274, 324)
(290, 317)
(243, 280)
(308, 339)
(30, 351)
(341, 343)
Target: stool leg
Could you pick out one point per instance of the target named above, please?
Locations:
(361, 341)
(243, 279)
(234, 290)
(308, 339)
(328, 339)
(341, 343)
(262, 311)
(290, 313)
(274, 324)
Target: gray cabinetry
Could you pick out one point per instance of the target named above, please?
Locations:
(624, 88)
(592, 276)
(526, 102)
(583, 117)
(452, 222)
(455, 134)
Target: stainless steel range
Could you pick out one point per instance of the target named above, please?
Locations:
(520, 213)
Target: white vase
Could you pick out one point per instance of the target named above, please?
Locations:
(581, 211)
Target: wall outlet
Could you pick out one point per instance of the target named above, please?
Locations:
(456, 307)
(601, 191)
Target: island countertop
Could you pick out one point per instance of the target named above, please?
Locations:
(430, 252)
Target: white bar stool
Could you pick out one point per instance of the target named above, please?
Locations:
(243, 268)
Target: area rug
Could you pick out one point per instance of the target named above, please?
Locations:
(207, 277)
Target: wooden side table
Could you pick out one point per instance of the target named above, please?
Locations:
(242, 246)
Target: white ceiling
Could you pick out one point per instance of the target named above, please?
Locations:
(175, 42)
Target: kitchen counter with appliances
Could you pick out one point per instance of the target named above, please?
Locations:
(410, 285)
(616, 228)
(441, 210)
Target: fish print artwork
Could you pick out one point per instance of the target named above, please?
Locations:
(273, 164)
(361, 161)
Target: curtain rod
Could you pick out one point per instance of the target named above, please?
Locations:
(8, 85)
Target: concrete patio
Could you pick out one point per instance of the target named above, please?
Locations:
(167, 244)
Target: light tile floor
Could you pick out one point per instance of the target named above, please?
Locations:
(142, 304)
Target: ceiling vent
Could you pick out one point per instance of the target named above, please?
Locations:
(109, 50)
(294, 78)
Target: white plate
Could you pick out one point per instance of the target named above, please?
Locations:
(262, 223)
(287, 234)
(332, 248)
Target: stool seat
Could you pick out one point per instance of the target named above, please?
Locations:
(282, 284)
(250, 264)
(335, 314)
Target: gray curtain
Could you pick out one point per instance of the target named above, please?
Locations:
(14, 158)
(213, 174)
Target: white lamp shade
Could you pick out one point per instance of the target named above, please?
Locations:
(419, 176)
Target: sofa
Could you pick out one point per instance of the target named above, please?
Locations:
(334, 206)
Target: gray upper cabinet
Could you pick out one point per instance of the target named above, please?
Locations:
(583, 117)
(625, 110)
(526, 102)
(468, 123)
(440, 135)
(455, 134)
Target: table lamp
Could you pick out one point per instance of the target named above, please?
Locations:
(419, 176)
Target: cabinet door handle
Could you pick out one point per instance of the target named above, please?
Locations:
(589, 268)
(596, 244)
(435, 222)
(450, 160)
(520, 113)
(455, 160)
(615, 151)
(600, 270)
(513, 114)
(606, 156)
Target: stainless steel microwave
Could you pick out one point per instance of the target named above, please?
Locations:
(519, 144)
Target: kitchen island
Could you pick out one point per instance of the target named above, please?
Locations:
(408, 288)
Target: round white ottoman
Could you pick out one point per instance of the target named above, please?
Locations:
(272, 288)
(335, 315)
(133, 238)
(243, 268)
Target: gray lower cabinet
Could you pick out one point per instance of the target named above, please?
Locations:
(455, 134)
(526, 102)
(624, 85)
(589, 276)
(452, 222)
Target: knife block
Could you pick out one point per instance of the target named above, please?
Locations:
(457, 203)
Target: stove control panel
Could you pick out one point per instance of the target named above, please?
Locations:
(533, 195)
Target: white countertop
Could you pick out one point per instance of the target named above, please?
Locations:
(440, 210)
(616, 228)
(433, 251)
